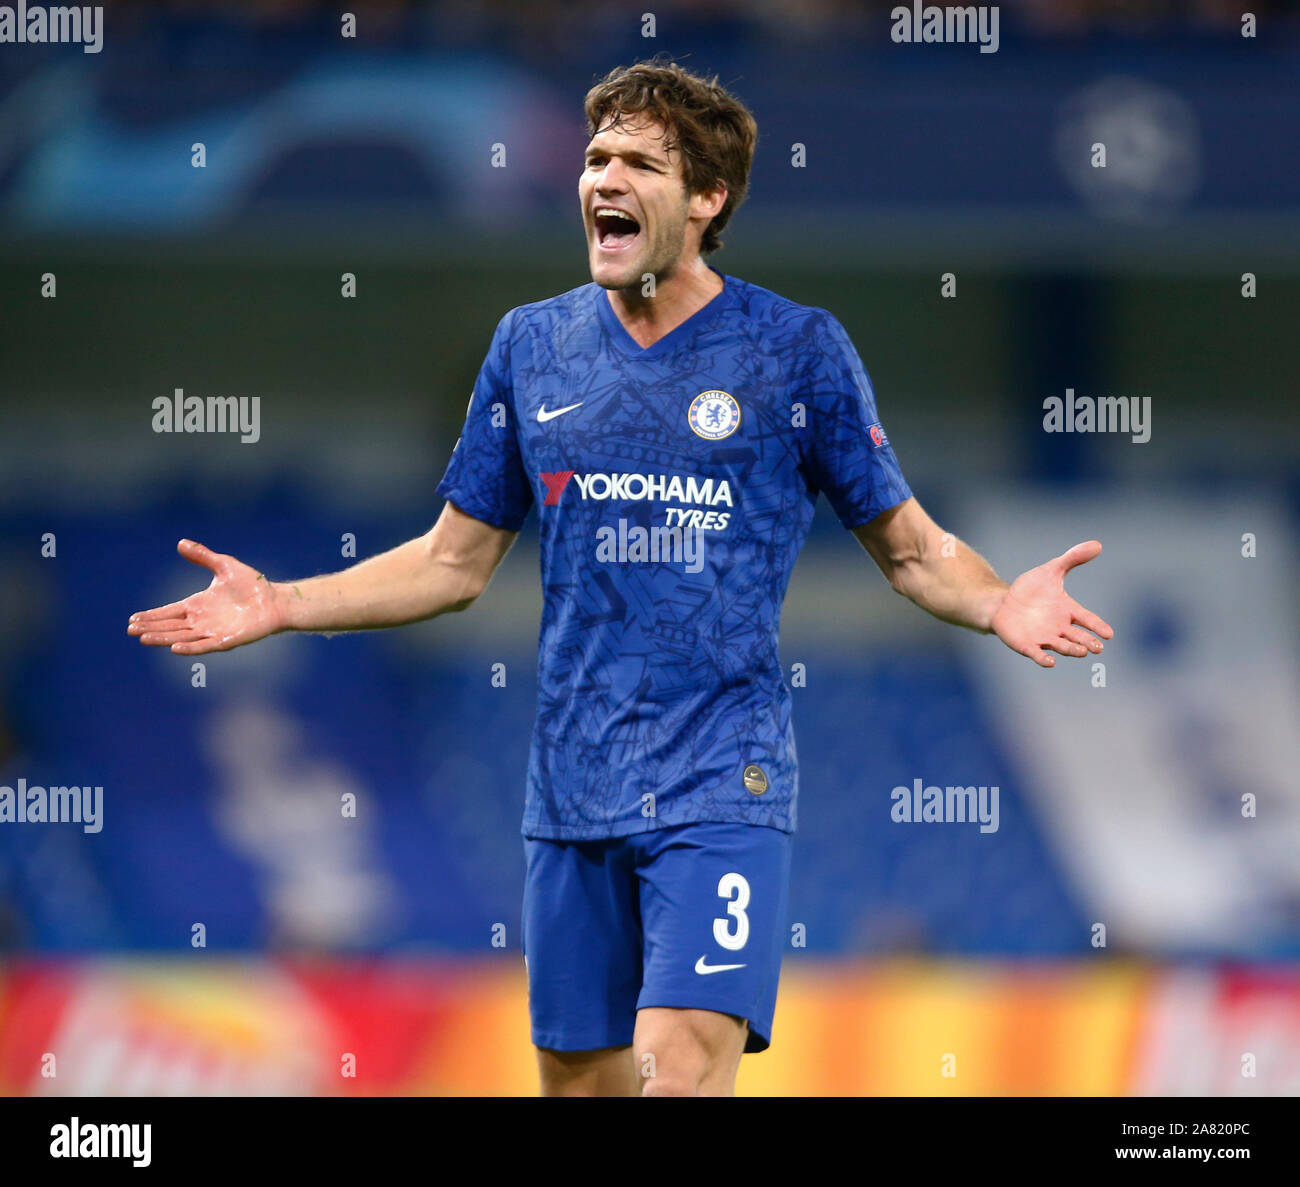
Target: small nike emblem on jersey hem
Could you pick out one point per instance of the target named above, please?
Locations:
(543, 416)
(703, 969)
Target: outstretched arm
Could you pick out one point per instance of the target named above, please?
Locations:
(443, 570)
(943, 575)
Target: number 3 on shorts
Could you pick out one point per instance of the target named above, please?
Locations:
(735, 888)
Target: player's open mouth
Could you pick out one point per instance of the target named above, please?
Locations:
(615, 229)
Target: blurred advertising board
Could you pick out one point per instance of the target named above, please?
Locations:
(896, 1028)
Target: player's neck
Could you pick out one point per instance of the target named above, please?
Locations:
(676, 298)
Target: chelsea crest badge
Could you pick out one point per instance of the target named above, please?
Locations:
(713, 415)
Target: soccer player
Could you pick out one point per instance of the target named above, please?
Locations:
(673, 427)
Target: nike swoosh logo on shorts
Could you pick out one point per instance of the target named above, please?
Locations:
(703, 969)
(543, 416)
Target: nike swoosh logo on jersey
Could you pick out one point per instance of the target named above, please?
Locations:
(543, 416)
(702, 968)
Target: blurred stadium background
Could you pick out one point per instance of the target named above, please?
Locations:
(1120, 805)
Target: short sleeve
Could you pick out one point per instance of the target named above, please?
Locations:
(846, 452)
(485, 477)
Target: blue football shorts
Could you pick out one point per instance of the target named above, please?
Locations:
(692, 917)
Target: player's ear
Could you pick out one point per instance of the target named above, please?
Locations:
(708, 203)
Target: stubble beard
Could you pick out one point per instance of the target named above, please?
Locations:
(661, 258)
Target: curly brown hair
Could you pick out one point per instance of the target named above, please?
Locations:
(712, 129)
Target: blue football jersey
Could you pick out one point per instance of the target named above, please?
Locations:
(675, 485)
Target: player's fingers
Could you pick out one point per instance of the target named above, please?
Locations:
(200, 554)
(201, 646)
(1039, 656)
(1068, 647)
(171, 610)
(1078, 555)
(1079, 635)
(1096, 624)
(148, 625)
(167, 638)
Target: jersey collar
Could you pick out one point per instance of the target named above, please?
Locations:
(672, 340)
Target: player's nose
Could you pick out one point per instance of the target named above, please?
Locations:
(612, 179)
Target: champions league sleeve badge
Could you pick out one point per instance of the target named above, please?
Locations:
(713, 415)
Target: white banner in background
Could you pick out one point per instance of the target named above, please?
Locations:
(1140, 783)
